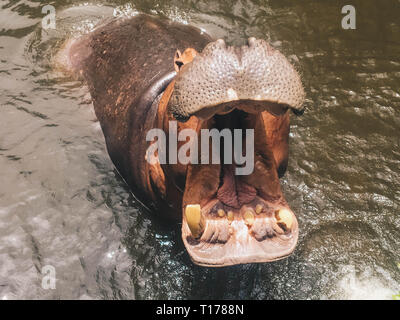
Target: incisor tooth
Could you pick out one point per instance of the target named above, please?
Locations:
(194, 219)
(221, 213)
(249, 217)
(259, 208)
(230, 215)
(285, 217)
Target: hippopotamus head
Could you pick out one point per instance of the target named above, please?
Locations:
(230, 218)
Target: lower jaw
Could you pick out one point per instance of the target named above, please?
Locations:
(250, 234)
(248, 230)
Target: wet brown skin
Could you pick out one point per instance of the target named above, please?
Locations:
(120, 63)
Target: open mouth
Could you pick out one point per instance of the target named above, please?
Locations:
(229, 218)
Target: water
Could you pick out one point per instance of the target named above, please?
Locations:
(63, 204)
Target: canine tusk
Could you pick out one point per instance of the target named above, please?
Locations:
(285, 217)
(194, 219)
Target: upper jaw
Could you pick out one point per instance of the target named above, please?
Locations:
(256, 73)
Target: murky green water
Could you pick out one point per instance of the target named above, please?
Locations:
(63, 204)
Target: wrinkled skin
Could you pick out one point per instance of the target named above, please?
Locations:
(139, 71)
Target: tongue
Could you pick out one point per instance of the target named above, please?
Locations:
(234, 192)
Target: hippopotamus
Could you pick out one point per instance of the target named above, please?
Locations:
(147, 72)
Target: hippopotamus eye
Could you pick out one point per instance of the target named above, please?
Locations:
(298, 112)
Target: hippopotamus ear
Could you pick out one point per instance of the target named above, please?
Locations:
(177, 60)
(180, 59)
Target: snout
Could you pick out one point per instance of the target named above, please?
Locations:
(222, 75)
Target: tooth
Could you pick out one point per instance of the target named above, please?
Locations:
(194, 219)
(230, 215)
(249, 217)
(259, 208)
(221, 213)
(285, 217)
